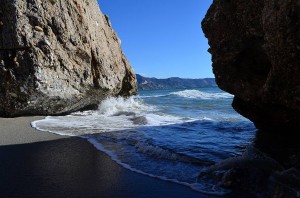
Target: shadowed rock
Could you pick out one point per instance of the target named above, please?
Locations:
(255, 52)
(268, 168)
(139, 120)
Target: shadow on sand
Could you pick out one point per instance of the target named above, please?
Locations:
(74, 168)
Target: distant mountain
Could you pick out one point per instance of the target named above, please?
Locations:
(145, 83)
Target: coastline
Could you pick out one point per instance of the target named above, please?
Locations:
(40, 164)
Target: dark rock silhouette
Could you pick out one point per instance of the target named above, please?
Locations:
(255, 51)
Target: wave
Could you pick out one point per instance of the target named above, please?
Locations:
(153, 96)
(113, 114)
(196, 94)
(192, 94)
(113, 105)
(158, 152)
(126, 130)
(207, 189)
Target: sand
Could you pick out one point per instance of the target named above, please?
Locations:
(41, 164)
(19, 131)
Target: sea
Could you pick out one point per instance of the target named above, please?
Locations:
(171, 135)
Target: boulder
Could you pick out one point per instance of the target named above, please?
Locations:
(57, 57)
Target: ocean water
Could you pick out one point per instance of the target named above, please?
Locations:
(168, 134)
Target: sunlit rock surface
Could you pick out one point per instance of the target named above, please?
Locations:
(58, 56)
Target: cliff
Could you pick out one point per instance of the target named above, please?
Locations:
(145, 83)
(255, 51)
(57, 57)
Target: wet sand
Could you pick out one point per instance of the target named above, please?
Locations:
(40, 164)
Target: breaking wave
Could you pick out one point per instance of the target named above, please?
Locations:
(114, 106)
(166, 134)
(195, 94)
(113, 114)
(192, 94)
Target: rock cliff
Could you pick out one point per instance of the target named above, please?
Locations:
(255, 51)
(58, 56)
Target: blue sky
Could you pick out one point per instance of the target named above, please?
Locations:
(162, 38)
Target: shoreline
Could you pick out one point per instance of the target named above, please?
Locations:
(42, 164)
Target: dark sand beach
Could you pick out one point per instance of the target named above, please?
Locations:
(40, 164)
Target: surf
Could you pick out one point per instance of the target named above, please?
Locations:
(196, 94)
(166, 134)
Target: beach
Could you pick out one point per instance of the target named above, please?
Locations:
(19, 131)
(41, 164)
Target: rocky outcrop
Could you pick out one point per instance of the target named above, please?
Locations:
(145, 83)
(270, 167)
(57, 57)
(255, 51)
(255, 48)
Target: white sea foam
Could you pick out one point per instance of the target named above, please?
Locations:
(114, 114)
(117, 115)
(155, 119)
(153, 96)
(113, 105)
(195, 94)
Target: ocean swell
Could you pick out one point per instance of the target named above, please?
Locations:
(196, 94)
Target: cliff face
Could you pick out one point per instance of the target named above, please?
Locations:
(255, 50)
(58, 56)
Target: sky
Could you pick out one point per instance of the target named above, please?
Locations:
(162, 38)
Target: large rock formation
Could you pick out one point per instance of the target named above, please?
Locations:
(57, 57)
(255, 50)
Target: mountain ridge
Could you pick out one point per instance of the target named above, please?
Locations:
(152, 83)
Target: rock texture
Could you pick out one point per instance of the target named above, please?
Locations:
(145, 83)
(57, 57)
(255, 50)
(269, 167)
